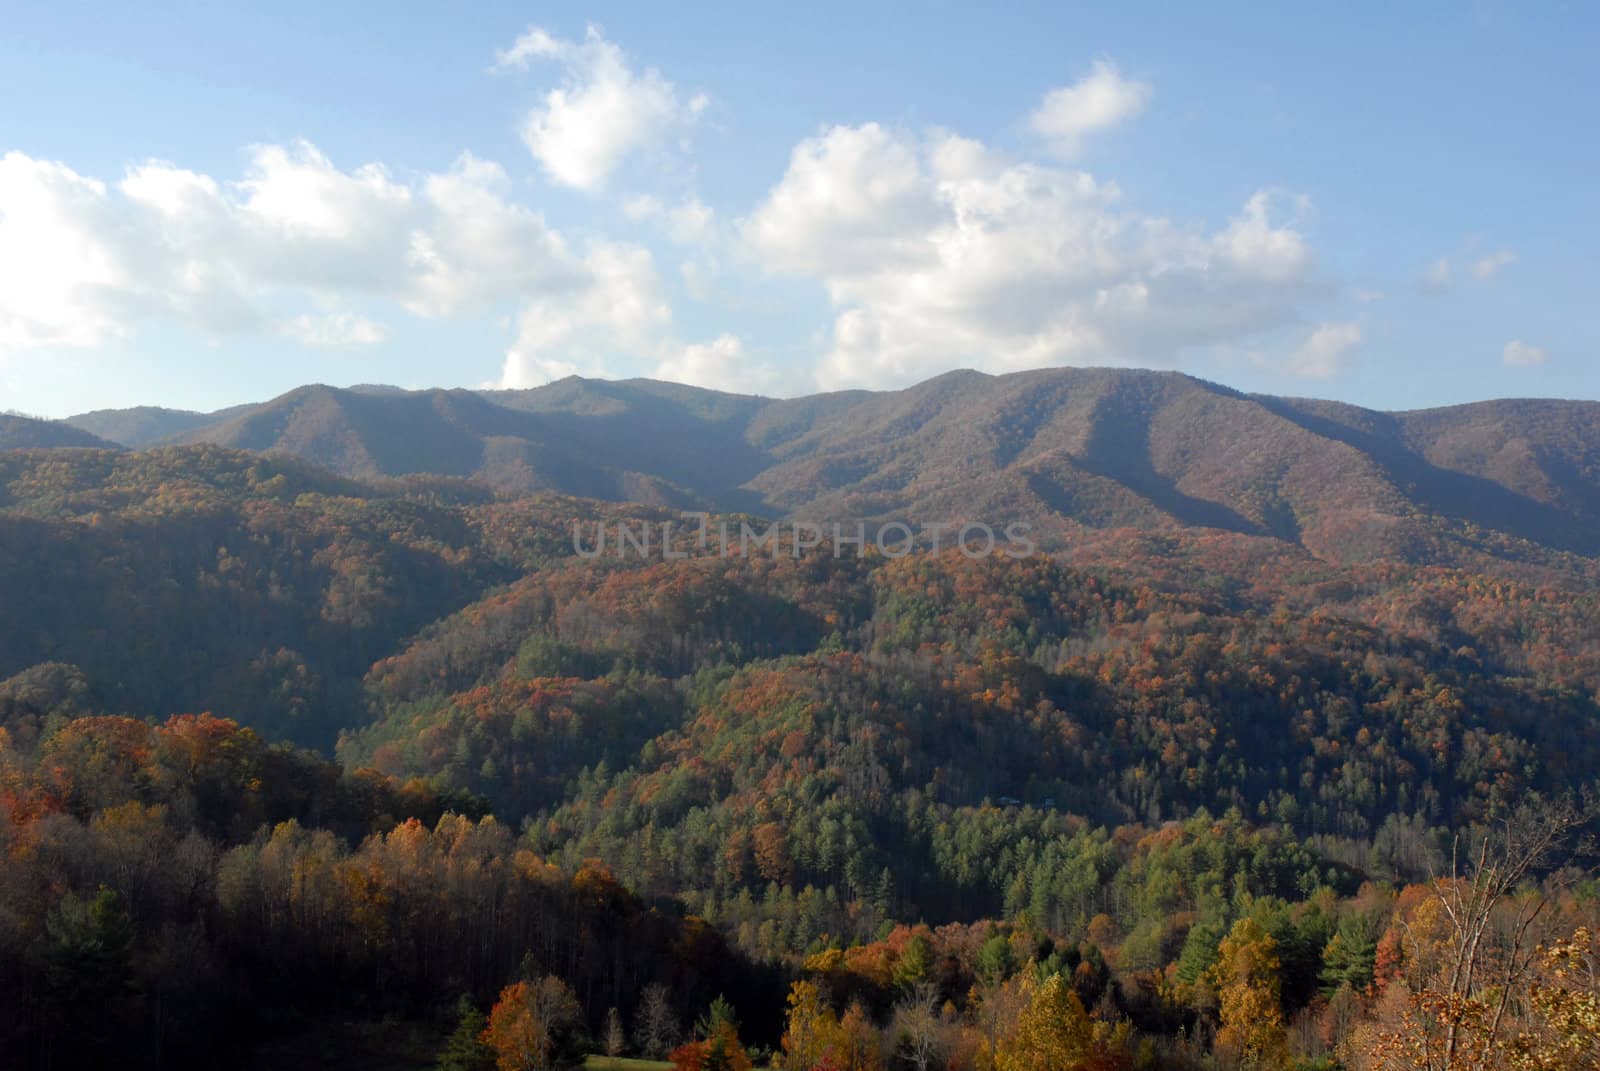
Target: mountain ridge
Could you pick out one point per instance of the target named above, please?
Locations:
(18, 432)
(1062, 449)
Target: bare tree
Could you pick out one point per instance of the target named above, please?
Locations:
(655, 1025)
(1492, 902)
(918, 1027)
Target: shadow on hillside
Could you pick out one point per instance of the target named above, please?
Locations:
(1451, 494)
(1119, 449)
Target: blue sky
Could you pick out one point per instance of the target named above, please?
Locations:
(200, 207)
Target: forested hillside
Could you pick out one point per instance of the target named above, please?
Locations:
(1064, 449)
(292, 759)
(20, 432)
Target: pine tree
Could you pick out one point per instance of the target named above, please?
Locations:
(466, 1050)
(1349, 958)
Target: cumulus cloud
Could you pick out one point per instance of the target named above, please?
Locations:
(938, 252)
(1520, 354)
(1100, 101)
(83, 261)
(620, 307)
(1326, 351)
(719, 365)
(603, 111)
(62, 278)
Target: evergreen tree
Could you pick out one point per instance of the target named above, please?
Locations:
(466, 1049)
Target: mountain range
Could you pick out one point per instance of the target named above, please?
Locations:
(1062, 449)
(19, 432)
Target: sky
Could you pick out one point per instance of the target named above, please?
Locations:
(1392, 205)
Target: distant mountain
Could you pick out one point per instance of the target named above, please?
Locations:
(1062, 449)
(20, 432)
(146, 425)
(462, 433)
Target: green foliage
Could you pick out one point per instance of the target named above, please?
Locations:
(932, 776)
(466, 1050)
(1199, 952)
(1349, 956)
(88, 978)
(996, 961)
(719, 1014)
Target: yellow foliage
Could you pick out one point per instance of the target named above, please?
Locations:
(1053, 1032)
(1246, 977)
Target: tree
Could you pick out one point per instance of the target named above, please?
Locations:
(1565, 1002)
(1053, 1032)
(530, 1024)
(913, 965)
(1199, 952)
(1246, 977)
(1473, 962)
(614, 1038)
(719, 1052)
(718, 1015)
(994, 965)
(811, 1034)
(655, 1026)
(88, 970)
(466, 1049)
(1349, 958)
(859, 1047)
(916, 1027)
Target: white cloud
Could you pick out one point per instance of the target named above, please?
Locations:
(336, 330)
(61, 273)
(604, 110)
(481, 248)
(852, 196)
(620, 308)
(1326, 351)
(642, 206)
(1100, 101)
(534, 44)
(297, 191)
(1485, 268)
(83, 261)
(939, 252)
(1435, 278)
(687, 222)
(690, 221)
(1520, 354)
(719, 365)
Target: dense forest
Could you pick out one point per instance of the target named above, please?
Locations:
(301, 769)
